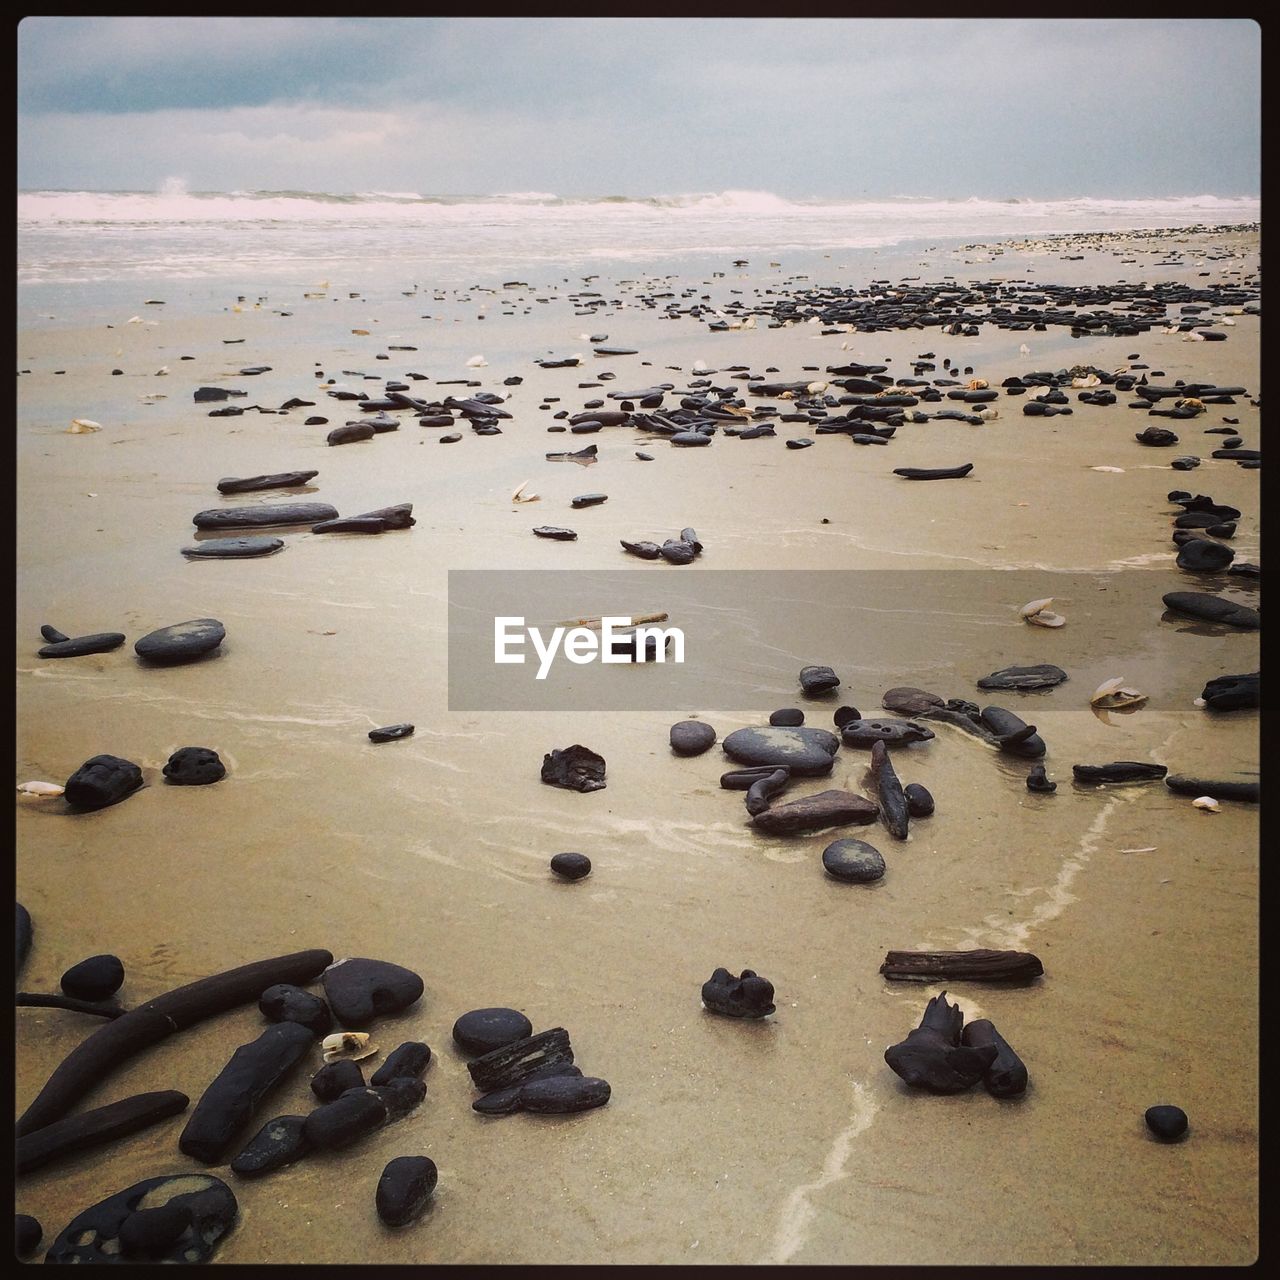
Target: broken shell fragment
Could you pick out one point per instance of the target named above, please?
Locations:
(40, 789)
(1207, 803)
(81, 426)
(347, 1046)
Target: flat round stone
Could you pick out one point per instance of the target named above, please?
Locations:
(232, 548)
(181, 642)
(807, 752)
(854, 861)
(692, 737)
(93, 979)
(483, 1030)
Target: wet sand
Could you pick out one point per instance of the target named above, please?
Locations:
(784, 1141)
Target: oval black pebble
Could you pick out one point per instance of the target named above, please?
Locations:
(93, 979)
(572, 866)
(484, 1030)
(561, 1095)
(1037, 780)
(148, 1233)
(287, 1003)
(853, 861)
(335, 1078)
(407, 1062)
(919, 800)
(1168, 1123)
(404, 1188)
(27, 1234)
(787, 717)
(692, 737)
(194, 767)
(818, 680)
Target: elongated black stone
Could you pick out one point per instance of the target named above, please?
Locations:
(89, 1129)
(281, 480)
(762, 792)
(279, 1142)
(349, 1118)
(406, 1062)
(557, 1095)
(80, 646)
(893, 803)
(229, 1102)
(1119, 771)
(1249, 792)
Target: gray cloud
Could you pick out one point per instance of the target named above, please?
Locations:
(854, 107)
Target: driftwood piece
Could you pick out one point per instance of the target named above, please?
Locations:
(960, 966)
(1249, 792)
(94, 1128)
(95, 1058)
(893, 802)
(50, 1000)
(515, 1063)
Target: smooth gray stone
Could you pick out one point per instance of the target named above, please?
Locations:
(233, 548)
(79, 646)
(692, 737)
(806, 751)
(1197, 604)
(264, 516)
(182, 641)
(853, 861)
(1043, 676)
(690, 439)
(557, 533)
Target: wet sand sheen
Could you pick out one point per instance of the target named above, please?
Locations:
(432, 852)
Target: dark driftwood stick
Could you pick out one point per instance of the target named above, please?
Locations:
(90, 1062)
(40, 1000)
(973, 966)
(93, 1128)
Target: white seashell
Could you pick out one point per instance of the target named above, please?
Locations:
(1207, 803)
(1047, 619)
(1106, 689)
(1190, 337)
(82, 426)
(699, 366)
(749, 322)
(40, 789)
(477, 362)
(347, 1045)
(977, 384)
(988, 414)
(1087, 380)
(1036, 606)
(1117, 470)
(161, 371)
(1199, 702)
(1024, 350)
(816, 388)
(134, 320)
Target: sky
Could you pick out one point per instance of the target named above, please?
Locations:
(837, 108)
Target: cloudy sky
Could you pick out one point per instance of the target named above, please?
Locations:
(639, 106)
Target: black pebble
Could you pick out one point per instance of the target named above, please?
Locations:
(844, 715)
(390, 733)
(919, 800)
(93, 979)
(572, 866)
(407, 1062)
(27, 1234)
(340, 1123)
(404, 1188)
(194, 767)
(287, 1003)
(1168, 1123)
(818, 680)
(484, 1030)
(787, 717)
(747, 996)
(335, 1078)
(101, 781)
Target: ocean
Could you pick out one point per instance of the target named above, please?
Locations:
(256, 238)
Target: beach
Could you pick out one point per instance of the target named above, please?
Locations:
(786, 1140)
